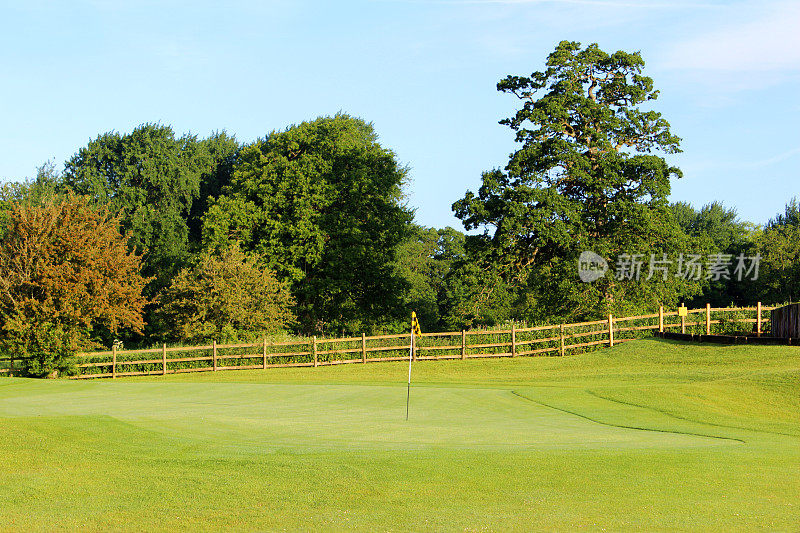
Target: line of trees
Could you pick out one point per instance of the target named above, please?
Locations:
(150, 237)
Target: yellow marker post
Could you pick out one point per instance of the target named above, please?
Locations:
(683, 312)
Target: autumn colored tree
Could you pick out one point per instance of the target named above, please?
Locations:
(65, 274)
(226, 296)
(28, 192)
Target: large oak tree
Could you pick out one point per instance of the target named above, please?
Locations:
(159, 185)
(322, 202)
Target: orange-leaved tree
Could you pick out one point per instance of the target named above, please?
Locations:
(65, 272)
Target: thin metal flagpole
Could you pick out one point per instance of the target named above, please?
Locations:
(410, 355)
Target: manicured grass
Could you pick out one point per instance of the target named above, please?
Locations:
(648, 435)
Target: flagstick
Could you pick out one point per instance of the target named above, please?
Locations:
(410, 354)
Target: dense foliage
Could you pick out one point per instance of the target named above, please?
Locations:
(226, 297)
(779, 247)
(153, 181)
(716, 229)
(322, 202)
(585, 178)
(66, 280)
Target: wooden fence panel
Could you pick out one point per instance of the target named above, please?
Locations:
(785, 321)
(556, 339)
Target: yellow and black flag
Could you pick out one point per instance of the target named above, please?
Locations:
(415, 324)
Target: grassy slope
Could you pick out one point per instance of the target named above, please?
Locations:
(648, 435)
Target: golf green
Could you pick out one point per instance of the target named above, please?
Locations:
(648, 435)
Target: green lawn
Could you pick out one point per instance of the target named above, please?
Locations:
(650, 435)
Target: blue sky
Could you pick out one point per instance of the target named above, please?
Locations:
(423, 72)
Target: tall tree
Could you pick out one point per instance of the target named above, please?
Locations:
(779, 249)
(65, 276)
(151, 178)
(716, 229)
(322, 201)
(425, 261)
(589, 176)
(718, 226)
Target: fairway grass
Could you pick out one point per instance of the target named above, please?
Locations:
(650, 435)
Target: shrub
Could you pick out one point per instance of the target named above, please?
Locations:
(734, 323)
(228, 296)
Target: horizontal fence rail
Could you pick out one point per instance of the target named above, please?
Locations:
(557, 339)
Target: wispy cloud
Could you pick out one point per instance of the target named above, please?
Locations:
(641, 4)
(764, 39)
(774, 159)
(703, 165)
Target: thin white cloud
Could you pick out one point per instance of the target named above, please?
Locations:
(764, 39)
(703, 165)
(643, 4)
(775, 159)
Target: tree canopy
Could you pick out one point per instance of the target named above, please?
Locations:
(426, 261)
(66, 276)
(322, 202)
(307, 230)
(588, 176)
(153, 180)
(716, 229)
(778, 245)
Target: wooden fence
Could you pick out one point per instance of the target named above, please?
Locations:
(557, 339)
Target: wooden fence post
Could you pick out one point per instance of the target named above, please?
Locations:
(164, 359)
(561, 332)
(758, 319)
(314, 349)
(708, 319)
(214, 354)
(463, 344)
(363, 348)
(513, 340)
(683, 324)
(113, 362)
(610, 331)
(661, 318)
(264, 354)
